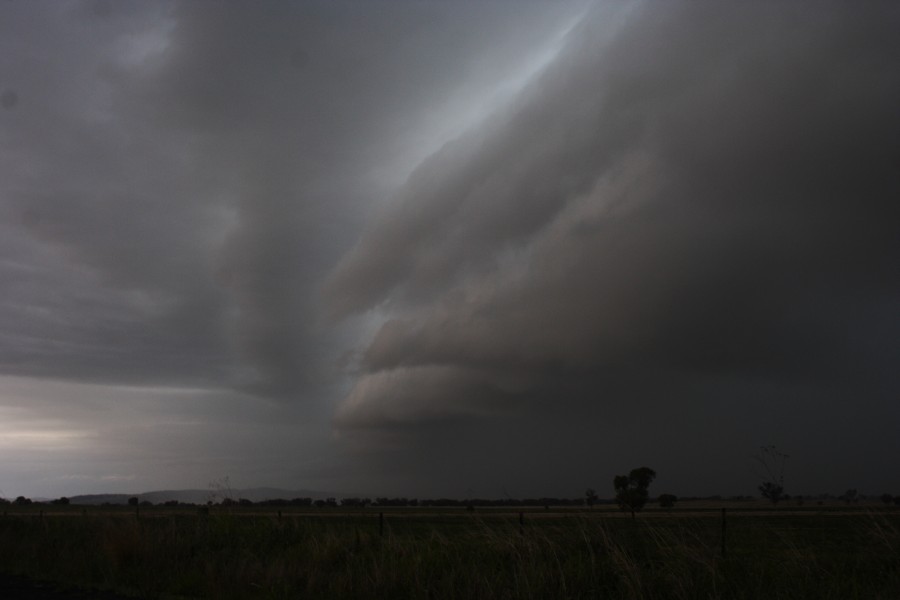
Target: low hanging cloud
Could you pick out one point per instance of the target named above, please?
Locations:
(540, 231)
(694, 190)
(180, 178)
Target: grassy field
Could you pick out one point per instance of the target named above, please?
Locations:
(446, 553)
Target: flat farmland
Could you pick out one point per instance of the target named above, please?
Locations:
(253, 552)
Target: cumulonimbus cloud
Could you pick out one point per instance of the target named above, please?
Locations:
(706, 189)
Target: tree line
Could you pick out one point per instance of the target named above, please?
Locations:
(631, 494)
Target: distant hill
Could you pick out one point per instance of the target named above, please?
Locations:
(201, 496)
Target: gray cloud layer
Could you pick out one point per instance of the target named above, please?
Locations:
(177, 179)
(706, 194)
(675, 222)
(195, 169)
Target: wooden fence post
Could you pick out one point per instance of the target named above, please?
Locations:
(723, 533)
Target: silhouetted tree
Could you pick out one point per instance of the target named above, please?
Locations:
(590, 497)
(772, 491)
(631, 489)
(772, 462)
(62, 500)
(133, 501)
(667, 500)
(22, 501)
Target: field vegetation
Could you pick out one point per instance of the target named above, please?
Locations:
(237, 551)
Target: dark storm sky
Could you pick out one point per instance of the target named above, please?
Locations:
(448, 248)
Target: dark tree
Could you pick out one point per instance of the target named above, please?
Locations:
(590, 497)
(772, 491)
(22, 500)
(631, 489)
(772, 463)
(133, 501)
(667, 500)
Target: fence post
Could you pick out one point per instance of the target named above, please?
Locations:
(723, 533)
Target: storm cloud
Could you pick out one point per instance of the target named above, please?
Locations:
(701, 193)
(441, 248)
(207, 164)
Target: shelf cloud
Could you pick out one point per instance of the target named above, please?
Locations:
(428, 248)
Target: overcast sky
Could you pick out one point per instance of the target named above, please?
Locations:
(448, 248)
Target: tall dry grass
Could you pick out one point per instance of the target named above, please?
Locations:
(460, 556)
